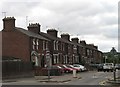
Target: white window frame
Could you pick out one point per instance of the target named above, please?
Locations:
(33, 43)
(33, 47)
(44, 45)
(54, 43)
(56, 58)
(37, 44)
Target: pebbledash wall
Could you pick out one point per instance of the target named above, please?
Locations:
(31, 46)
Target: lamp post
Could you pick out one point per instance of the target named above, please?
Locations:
(113, 51)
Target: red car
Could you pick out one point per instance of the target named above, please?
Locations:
(71, 66)
(66, 69)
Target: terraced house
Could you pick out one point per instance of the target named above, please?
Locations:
(31, 45)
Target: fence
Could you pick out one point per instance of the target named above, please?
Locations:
(16, 69)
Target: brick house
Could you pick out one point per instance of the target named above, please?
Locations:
(21, 43)
(90, 53)
(58, 47)
(32, 45)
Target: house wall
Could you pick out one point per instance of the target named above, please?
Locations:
(15, 44)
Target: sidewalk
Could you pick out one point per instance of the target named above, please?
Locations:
(56, 79)
(112, 82)
(63, 78)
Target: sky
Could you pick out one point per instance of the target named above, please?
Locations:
(95, 21)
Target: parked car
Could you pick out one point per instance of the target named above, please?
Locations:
(74, 68)
(56, 70)
(108, 67)
(80, 67)
(100, 67)
(66, 69)
(117, 66)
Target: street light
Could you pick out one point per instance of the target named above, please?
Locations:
(113, 51)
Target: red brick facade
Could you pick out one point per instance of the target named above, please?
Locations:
(33, 44)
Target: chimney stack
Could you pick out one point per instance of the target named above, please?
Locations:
(65, 36)
(75, 40)
(8, 23)
(34, 27)
(83, 42)
(52, 32)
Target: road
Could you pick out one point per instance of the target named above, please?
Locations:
(87, 78)
(91, 78)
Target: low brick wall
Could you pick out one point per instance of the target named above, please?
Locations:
(44, 72)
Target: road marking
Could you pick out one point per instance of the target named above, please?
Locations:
(65, 82)
(60, 83)
(43, 82)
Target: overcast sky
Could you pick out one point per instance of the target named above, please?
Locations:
(95, 21)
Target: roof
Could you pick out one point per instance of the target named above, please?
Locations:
(57, 38)
(31, 34)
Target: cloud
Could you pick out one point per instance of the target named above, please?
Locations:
(96, 19)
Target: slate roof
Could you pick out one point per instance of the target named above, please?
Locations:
(59, 39)
(31, 34)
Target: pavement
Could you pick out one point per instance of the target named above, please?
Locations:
(112, 82)
(58, 79)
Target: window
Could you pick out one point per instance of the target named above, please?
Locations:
(75, 48)
(54, 45)
(88, 52)
(66, 59)
(56, 58)
(62, 47)
(37, 44)
(33, 41)
(33, 44)
(44, 45)
(33, 47)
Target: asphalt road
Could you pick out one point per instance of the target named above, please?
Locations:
(88, 78)
(92, 78)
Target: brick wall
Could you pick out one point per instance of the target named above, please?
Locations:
(15, 44)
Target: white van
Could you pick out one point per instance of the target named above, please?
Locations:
(108, 67)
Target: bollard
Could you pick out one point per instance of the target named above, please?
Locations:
(117, 73)
(74, 74)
